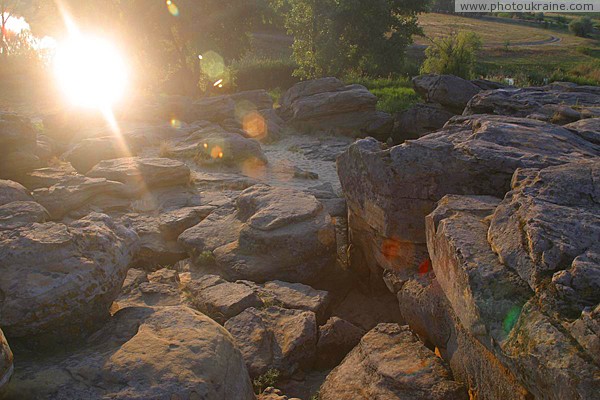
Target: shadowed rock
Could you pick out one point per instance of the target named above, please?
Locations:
(6, 362)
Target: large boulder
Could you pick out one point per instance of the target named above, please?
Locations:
(57, 278)
(389, 363)
(336, 339)
(140, 174)
(6, 362)
(142, 353)
(275, 338)
(328, 105)
(528, 318)
(269, 233)
(589, 129)
(450, 91)
(390, 191)
(89, 152)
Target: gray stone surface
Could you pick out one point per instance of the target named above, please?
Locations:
(21, 213)
(451, 92)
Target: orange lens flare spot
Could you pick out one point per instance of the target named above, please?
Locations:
(254, 168)
(175, 123)
(390, 248)
(254, 125)
(216, 152)
(205, 145)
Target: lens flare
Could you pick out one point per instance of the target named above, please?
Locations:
(90, 71)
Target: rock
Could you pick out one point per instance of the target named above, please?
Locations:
(77, 191)
(366, 311)
(589, 129)
(294, 296)
(558, 209)
(390, 362)
(485, 84)
(72, 285)
(158, 289)
(336, 338)
(220, 299)
(269, 233)
(519, 326)
(526, 101)
(389, 191)
(328, 105)
(21, 213)
(418, 121)
(275, 338)
(452, 92)
(271, 393)
(586, 330)
(18, 144)
(142, 353)
(12, 191)
(140, 174)
(89, 152)
(258, 99)
(6, 362)
(229, 148)
(174, 223)
(333, 203)
(49, 176)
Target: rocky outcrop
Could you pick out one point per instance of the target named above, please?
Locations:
(275, 338)
(89, 152)
(541, 103)
(390, 191)
(390, 362)
(328, 105)
(72, 286)
(269, 233)
(589, 129)
(543, 289)
(142, 353)
(451, 92)
(6, 362)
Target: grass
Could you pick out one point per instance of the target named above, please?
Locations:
(395, 94)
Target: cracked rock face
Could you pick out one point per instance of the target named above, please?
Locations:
(269, 233)
(521, 275)
(143, 353)
(389, 363)
(57, 278)
(390, 191)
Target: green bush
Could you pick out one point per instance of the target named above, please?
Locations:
(394, 93)
(266, 380)
(455, 54)
(259, 73)
(582, 27)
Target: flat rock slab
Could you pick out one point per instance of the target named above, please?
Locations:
(59, 278)
(142, 173)
(389, 363)
(269, 233)
(276, 338)
(142, 353)
(450, 91)
(220, 299)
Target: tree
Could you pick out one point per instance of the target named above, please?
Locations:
(334, 37)
(583, 26)
(12, 9)
(455, 54)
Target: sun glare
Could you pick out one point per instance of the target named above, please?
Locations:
(91, 72)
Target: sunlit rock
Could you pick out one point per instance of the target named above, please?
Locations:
(390, 362)
(6, 362)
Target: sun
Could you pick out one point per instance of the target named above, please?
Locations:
(90, 71)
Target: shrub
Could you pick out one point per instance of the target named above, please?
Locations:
(263, 73)
(266, 380)
(582, 27)
(454, 54)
